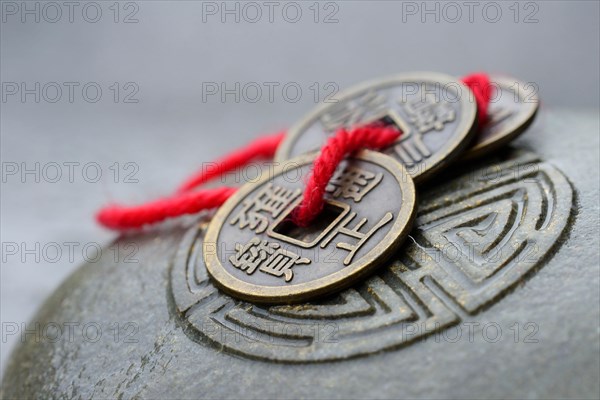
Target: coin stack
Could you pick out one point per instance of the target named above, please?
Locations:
(254, 251)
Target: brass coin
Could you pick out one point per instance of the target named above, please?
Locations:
(512, 109)
(255, 252)
(435, 112)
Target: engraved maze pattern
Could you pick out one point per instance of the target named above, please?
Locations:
(474, 238)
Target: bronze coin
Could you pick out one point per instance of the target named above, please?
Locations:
(512, 109)
(254, 251)
(435, 112)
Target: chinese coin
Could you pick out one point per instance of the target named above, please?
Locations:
(254, 251)
(512, 109)
(436, 114)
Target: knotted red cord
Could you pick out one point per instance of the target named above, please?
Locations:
(333, 152)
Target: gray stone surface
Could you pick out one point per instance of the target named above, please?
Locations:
(167, 358)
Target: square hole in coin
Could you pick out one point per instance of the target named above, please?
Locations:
(288, 231)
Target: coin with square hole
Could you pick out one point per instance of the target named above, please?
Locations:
(435, 112)
(513, 107)
(254, 250)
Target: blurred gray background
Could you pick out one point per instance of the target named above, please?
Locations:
(105, 101)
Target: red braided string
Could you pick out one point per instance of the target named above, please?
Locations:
(333, 152)
(185, 202)
(118, 217)
(337, 147)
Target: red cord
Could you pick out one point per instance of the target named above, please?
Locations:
(185, 202)
(120, 218)
(333, 152)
